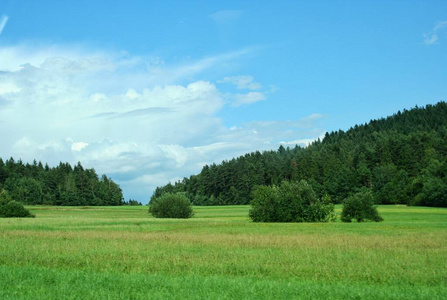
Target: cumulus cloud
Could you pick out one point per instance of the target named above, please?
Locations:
(78, 146)
(432, 37)
(3, 21)
(136, 124)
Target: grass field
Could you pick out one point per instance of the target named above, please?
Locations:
(124, 253)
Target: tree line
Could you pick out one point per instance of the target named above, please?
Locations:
(401, 159)
(36, 184)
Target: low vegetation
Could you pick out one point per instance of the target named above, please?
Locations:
(124, 253)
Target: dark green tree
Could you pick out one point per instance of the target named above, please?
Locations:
(430, 188)
(63, 185)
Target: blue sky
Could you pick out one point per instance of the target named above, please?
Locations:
(150, 91)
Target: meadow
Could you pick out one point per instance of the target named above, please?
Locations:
(124, 253)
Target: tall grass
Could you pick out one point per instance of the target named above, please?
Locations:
(122, 252)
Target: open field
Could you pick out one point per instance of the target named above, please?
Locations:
(124, 253)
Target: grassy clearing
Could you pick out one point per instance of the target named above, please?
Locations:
(122, 252)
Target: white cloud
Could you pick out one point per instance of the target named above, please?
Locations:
(132, 94)
(136, 124)
(440, 25)
(242, 82)
(432, 37)
(3, 21)
(177, 153)
(8, 87)
(249, 98)
(303, 142)
(309, 121)
(200, 65)
(78, 146)
(98, 97)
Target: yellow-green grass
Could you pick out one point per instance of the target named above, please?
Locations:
(124, 253)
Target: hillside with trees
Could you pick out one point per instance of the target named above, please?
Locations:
(62, 185)
(401, 159)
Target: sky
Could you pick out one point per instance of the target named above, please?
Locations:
(148, 92)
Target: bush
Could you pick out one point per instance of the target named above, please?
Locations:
(171, 205)
(14, 209)
(290, 202)
(10, 208)
(360, 206)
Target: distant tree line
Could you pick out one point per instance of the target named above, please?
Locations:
(132, 202)
(61, 185)
(401, 159)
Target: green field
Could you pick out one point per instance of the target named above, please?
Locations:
(124, 253)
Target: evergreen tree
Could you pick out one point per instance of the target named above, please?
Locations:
(393, 156)
(62, 185)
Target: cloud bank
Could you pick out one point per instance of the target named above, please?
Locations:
(133, 118)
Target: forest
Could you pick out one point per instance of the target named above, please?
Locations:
(61, 185)
(402, 159)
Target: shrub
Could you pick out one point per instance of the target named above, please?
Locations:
(14, 209)
(265, 205)
(171, 205)
(360, 206)
(290, 202)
